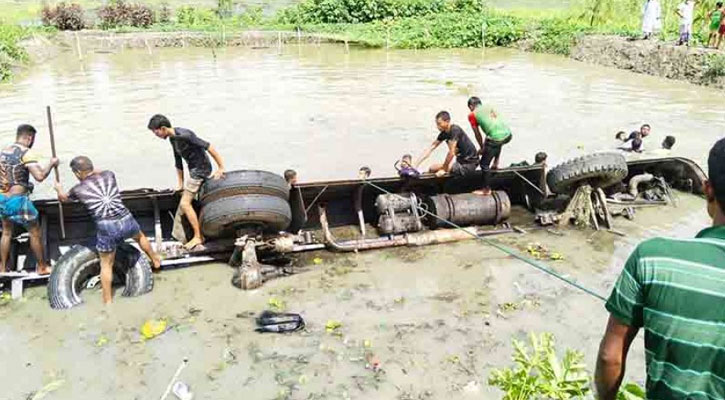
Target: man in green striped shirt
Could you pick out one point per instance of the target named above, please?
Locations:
(675, 290)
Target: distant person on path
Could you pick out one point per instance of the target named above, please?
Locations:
(673, 290)
(485, 118)
(721, 31)
(460, 148)
(651, 18)
(17, 164)
(99, 193)
(192, 149)
(715, 17)
(685, 11)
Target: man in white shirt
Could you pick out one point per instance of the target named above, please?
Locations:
(651, 22)
(685, 11)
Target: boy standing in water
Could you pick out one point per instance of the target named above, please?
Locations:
(192, 149)
(98, 191)
(715, 17)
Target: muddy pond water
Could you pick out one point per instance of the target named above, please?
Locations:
(325, 113)
(424, 323)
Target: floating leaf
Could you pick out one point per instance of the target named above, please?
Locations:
(331, 326)
(152, 328)
(276, 304)
(102, 341)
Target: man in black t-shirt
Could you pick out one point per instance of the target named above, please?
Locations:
(459, 146)
(192, 149)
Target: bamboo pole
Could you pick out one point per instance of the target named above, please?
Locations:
(57, 176)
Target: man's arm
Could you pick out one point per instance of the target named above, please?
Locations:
(180, 178)
(612, 358)
(179, 168)
(476, 130)
(448, 163)
(219, 173)
(427, 152)
(40, 173)
(63, 197)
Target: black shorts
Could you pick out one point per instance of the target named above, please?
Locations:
(459, 169)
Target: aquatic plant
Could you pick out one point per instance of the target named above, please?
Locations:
(539, 373)
(66, 17)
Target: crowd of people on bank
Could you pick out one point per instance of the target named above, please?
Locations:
(685, 12)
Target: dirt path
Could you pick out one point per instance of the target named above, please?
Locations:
(435, 320)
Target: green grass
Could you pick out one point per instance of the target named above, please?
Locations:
(11, 53)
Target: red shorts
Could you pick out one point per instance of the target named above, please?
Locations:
(721, 30)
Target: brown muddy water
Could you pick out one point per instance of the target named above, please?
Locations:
(436, 319)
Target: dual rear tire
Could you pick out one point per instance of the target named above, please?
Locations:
(244, 200)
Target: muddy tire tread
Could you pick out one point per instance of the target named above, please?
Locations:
(599, 169)
(244, 182)
(131, 266)
(221, 216)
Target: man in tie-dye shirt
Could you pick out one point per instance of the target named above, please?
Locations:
(98, 191)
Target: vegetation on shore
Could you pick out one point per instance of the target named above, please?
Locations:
(406, 24)
(11, 53)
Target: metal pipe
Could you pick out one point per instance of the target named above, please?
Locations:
(413, 239)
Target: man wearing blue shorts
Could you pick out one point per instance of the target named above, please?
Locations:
(98, 191)
(17, 164)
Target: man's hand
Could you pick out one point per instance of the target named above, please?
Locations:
(440, 173)
(218, 174)
(54, 162)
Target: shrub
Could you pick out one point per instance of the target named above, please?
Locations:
(66, 17)
(252, 16)
(715, 68)
(192, 16)
(361, 11)
(11, 52)
(557, 36)
(119, 13)
(164, 14)
(224, 8)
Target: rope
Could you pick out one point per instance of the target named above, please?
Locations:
(511, 252)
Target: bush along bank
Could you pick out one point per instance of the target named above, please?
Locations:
(11, 53)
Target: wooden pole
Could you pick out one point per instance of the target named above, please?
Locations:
(57, 176)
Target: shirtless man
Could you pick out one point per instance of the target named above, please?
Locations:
(17, 164)
(98, 191)
(189, 147)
